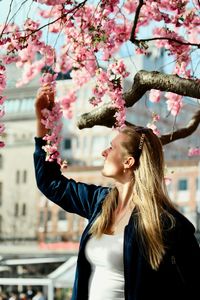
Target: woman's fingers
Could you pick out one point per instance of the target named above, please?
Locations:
(46, 93)
(44, 99)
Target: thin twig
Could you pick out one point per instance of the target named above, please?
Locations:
(137, 13)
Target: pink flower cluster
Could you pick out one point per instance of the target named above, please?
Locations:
(168, 180)
(52, 119)
(174, 103)
(155, 96)
(194, 151)
(110, 83)
(66, 104)
(152, 125)
(2, 99)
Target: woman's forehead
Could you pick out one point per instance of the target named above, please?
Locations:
(119, 137)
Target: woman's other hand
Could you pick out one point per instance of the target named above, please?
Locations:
(44, 99)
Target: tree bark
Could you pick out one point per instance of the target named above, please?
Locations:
(143, 82)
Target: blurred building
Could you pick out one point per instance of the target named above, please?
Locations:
(18, 214)
(183, 187)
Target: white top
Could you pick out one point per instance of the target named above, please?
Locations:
(105, 255)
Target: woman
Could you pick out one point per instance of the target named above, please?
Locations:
(136, 245)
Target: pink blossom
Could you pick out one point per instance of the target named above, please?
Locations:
(2, 128)
(30, 71)
(2, 113)
(66, 104)
(174, 103)
(48, 53)
(52, 121)
(10, 59)
(154, 95)
(194, 151)
(2, 82)
(48, 78)
(31, 25)
(118, 68)
(168, 180)
(131, 5)
(2, 99)
(154, 128)
(2, 144)
(80, 77)
(95, 101)
(156, 117)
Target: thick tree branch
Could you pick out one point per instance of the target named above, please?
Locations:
(143, 82)
(183, 132)
(103, 116)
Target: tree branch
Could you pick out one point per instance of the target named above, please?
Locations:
(137, 13)
(138, 41)
(103, 115)
(183, 132)
(143, 82)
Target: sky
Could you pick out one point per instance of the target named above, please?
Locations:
(19, 9)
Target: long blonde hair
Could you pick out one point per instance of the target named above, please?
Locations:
(149, 193)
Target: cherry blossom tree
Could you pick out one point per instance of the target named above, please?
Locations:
(90, 32)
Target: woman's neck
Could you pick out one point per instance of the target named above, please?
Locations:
(125, 193)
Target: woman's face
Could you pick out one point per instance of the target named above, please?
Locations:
(114, 160)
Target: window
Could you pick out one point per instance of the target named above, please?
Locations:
(182, 185)
(25, 176)
(17, 177)
(1, 192)
(41, 218)
(67, 144)
(16, 212)
(1, 161)
(49, 215)
(1, 222)
(24, 209)
(61, 215)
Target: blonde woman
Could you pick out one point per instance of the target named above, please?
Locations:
(136, 245)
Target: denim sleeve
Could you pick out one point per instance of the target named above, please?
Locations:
(72, 196)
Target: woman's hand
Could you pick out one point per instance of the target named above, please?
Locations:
(44, 99)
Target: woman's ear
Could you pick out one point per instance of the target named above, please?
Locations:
(129, 162)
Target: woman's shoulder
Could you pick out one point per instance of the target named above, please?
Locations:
(182, 222)
(179, 229)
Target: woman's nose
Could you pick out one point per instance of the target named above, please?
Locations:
(104, 153)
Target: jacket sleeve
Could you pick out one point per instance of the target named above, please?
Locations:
(72, 196)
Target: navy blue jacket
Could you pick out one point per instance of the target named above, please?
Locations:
(178, 276)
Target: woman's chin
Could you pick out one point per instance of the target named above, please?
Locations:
(104, 173)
